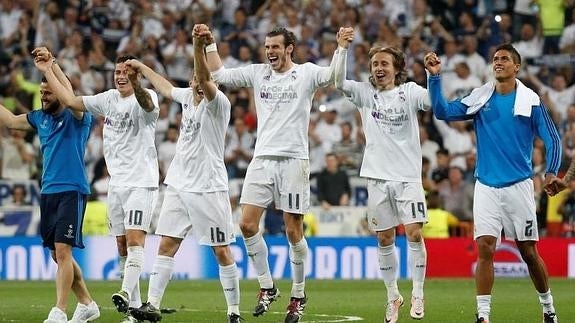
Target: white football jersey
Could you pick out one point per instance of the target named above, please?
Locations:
(389, 118)
(129, 134)
(198, 165)
(283, 104)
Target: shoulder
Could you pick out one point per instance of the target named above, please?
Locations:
(33, 116)
(411, 86)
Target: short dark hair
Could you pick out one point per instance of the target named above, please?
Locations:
(124, 58)
(289, 37)
(442, 151)
(514, 53)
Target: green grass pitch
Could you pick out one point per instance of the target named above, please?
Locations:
(446, 300)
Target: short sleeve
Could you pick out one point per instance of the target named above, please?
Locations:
(182, 95)
(33, 118)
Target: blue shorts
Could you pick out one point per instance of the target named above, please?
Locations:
(62, 215)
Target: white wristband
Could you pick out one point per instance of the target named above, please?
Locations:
(211, 48)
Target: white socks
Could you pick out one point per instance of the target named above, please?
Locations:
(135, 297)
(132, 271)
(483, 306)
(231, 286)
(388, 267)
(159, 278)
(257, 250)
(546, 300)
(417, 259)
(298, 256)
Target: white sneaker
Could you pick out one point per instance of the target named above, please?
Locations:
(417, 308)
(392, 311)
(56, 316)
(85, 313)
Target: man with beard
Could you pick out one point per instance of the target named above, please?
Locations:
(196, 198)
(130, 113)
(279, 170)
(63, 137)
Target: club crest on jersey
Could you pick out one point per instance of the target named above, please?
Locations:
(402, 96)
(293, 75)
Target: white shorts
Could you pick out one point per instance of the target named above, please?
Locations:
(509, 208)
(282, 180)
(130, 208)
(207, 216)
(392, 203)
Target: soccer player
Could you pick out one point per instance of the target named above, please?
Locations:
(130, 113)
(197, 194)
(507, 116)
(279, 171)
(63, 137)
(391, 163)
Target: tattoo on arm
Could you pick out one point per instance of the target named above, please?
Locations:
(143, 97)
(570, 172)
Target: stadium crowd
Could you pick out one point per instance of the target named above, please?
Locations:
(87, 36)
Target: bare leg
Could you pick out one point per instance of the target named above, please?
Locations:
(64, 274)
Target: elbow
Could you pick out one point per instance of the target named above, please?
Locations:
(439, 113)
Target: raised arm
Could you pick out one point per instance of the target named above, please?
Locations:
(214, 62)
(202, 73)
(160, 83)
(442, 110)
(12, 121)
(63, 92)
(61, 76)
(344, 38)
(67, 84)
(142, 96)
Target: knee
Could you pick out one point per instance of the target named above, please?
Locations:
(223, 255)
(413, 232)
(294, 231)
(385, 238)
(248, 228)
(486, 249)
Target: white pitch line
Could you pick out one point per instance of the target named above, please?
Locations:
(321, 318)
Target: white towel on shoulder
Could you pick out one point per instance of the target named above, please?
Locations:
(525, 99)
